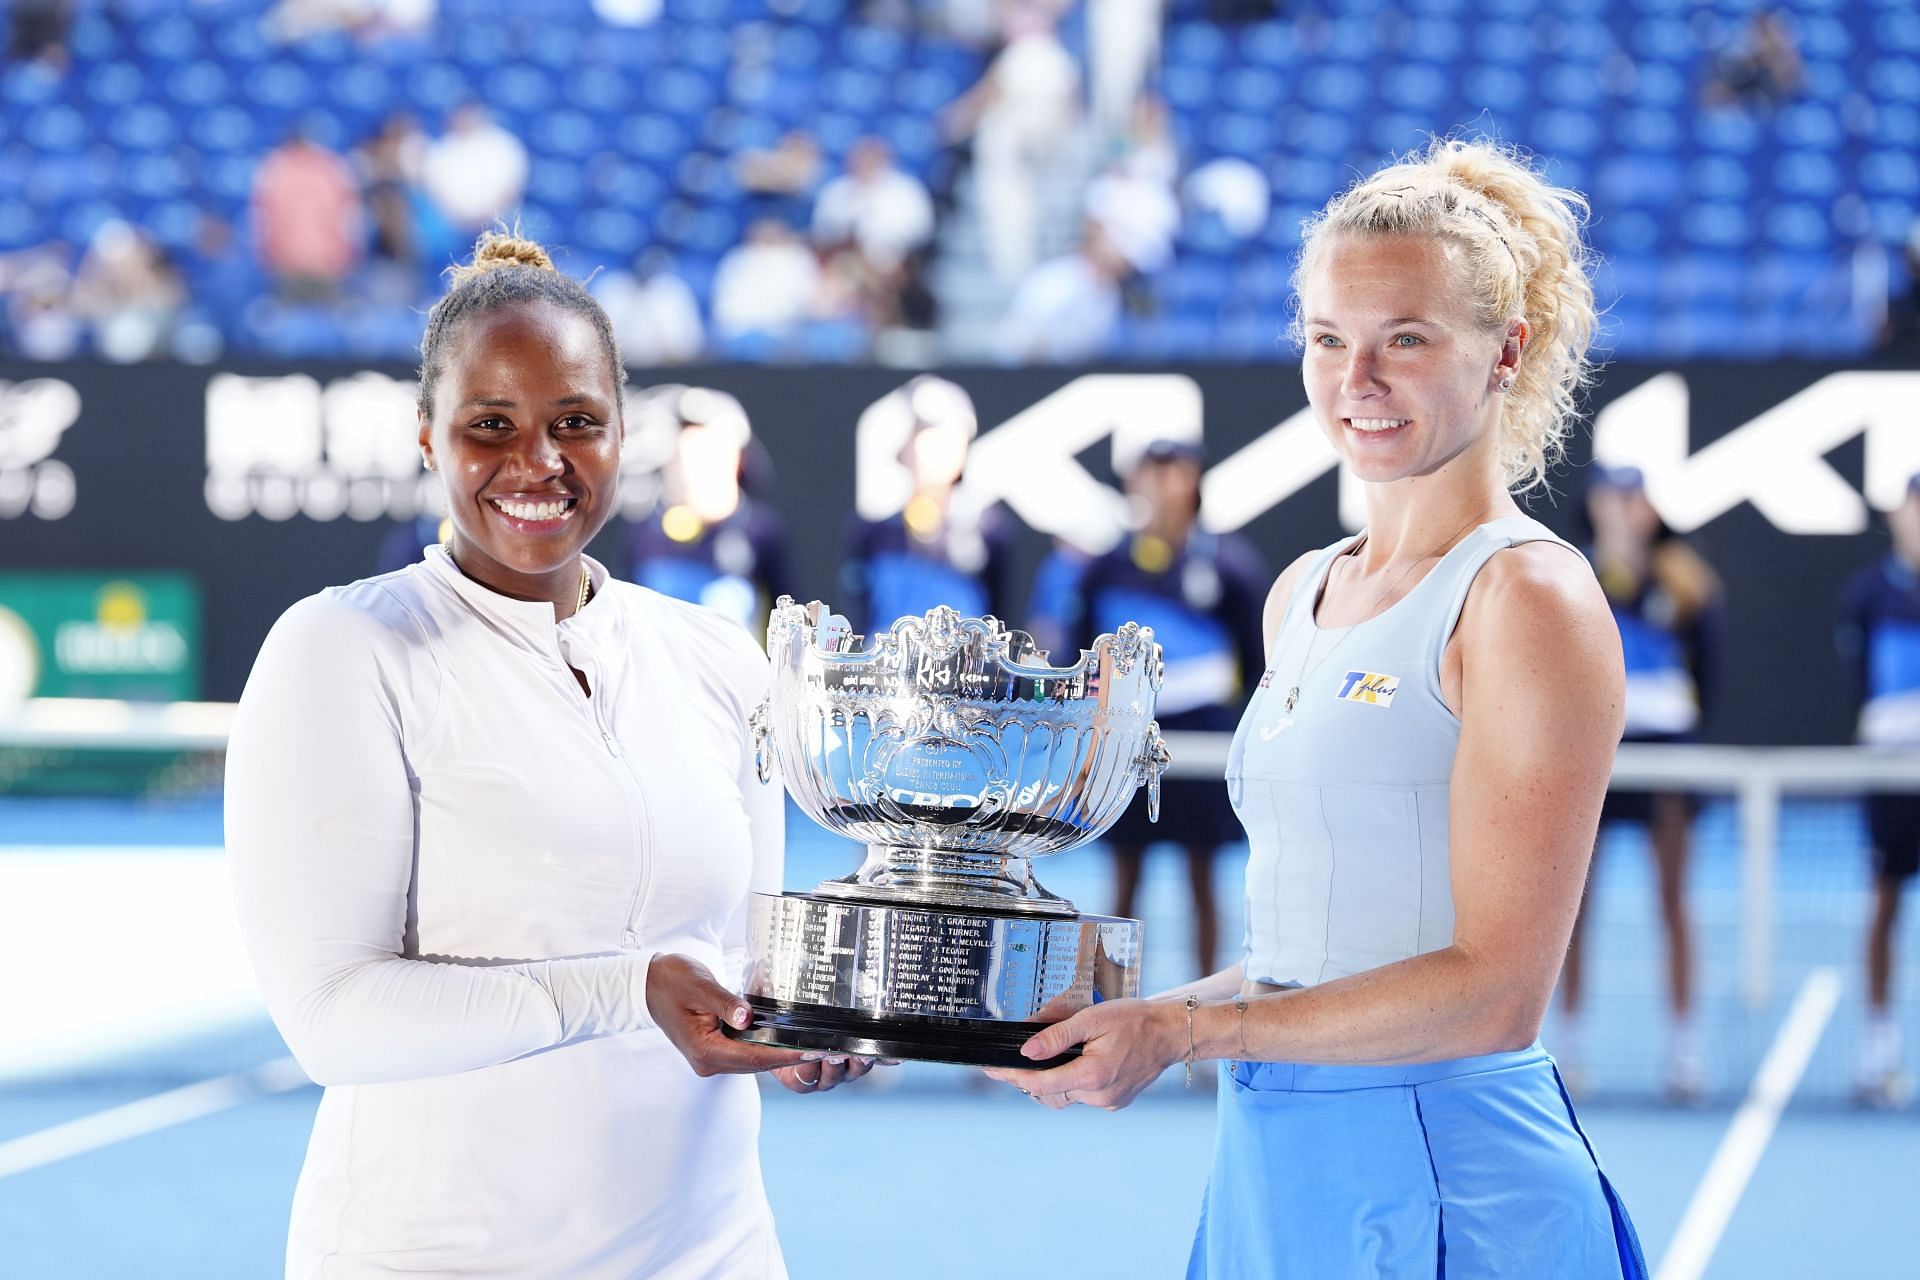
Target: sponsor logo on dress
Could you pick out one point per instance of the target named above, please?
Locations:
(1369, 687)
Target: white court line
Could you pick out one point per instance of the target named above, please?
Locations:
(148, 1115)
(1746, 1140)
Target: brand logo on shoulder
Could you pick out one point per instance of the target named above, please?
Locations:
(1368, 686)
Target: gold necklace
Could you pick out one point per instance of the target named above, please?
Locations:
(586, 589)
(1293, 694)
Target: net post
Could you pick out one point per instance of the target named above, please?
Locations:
(1759, 802)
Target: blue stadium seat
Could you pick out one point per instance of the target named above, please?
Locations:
(1435, 38)
(1256, 90)
(1490, 88)
(293, 332)
(115, 84)
(170, 37)
(1719, 177)
(1890, 171)
(1799, 226)
(1195, 44)
(1717, 224)
(564, 133)
(54, 129)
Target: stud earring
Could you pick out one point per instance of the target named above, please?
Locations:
(1506, 384)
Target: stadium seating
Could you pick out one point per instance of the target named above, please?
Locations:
(1727, 231)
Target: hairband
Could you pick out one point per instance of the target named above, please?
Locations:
(1475, 210)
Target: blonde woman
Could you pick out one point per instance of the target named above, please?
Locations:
(493, 820)
(1420, 775)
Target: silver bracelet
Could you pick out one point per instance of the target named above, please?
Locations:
(1193, 1002)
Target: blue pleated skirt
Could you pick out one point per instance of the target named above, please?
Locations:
(1470, 1169)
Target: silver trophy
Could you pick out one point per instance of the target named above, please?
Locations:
(957, 754)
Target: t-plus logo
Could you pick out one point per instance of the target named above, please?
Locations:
(33, 416)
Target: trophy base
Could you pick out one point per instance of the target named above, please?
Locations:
(957, 1040)
(926, 982)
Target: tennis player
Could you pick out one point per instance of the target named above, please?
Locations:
(493, 821)
(1420, 774)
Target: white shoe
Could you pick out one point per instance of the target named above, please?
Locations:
(1888, 1090)
(1686, 1083)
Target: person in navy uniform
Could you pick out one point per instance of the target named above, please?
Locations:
(711, 541)
(1201, 592)
(937, 549)
(1667, 602)
(1879, 640)
(407, 540)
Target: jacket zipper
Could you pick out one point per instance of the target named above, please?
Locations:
(639, 816)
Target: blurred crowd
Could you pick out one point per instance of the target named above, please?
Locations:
(1046, 217)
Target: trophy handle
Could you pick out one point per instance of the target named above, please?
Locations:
(761, 724)
(1154, 762)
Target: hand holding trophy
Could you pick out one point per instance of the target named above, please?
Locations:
(952, 749)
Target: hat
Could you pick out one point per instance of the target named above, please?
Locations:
(1168, 449)
(1602, 476)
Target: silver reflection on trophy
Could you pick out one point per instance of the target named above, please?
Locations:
(956, 754)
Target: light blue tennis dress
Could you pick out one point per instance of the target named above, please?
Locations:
(1472, 1168)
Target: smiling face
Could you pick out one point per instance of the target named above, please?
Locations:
(526, 432)
(1402, 373)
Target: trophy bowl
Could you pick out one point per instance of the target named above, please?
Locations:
(957, 754)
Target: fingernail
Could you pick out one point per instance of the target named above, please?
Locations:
(812, 1057)
(741, 1016)
(836, 1060)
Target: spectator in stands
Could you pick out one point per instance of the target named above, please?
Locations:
(39, 32)
(1123, 44)
(1879, 639)
(764, 290)
(876, 207)
(36, 287)
(129, 293)
(780, 180)
(476, 171)
(1053, 601)
(308, 218)
(904, 323)
(710, 542)
(1901, 331)
(1202, 594)
(655, 315)
(1761, 69)
(1231, 195)
(407, 540)
(408, 231)
(365, 20)
(1065, 312)
(1022, 117)
(937, 549)
(1667, 602)
(1133, 204)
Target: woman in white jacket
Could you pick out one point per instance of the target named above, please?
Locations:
(493, 821)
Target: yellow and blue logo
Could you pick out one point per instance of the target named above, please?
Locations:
(1369, 687)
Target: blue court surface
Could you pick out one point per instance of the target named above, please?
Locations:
(145, 1133)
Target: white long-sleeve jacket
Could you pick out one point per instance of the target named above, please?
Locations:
(452, 867)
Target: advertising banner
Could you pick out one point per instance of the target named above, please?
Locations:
(265, 484)
(81, 635)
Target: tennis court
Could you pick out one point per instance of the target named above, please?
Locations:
(145, 1129)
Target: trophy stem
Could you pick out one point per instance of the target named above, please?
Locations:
(944, 877)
